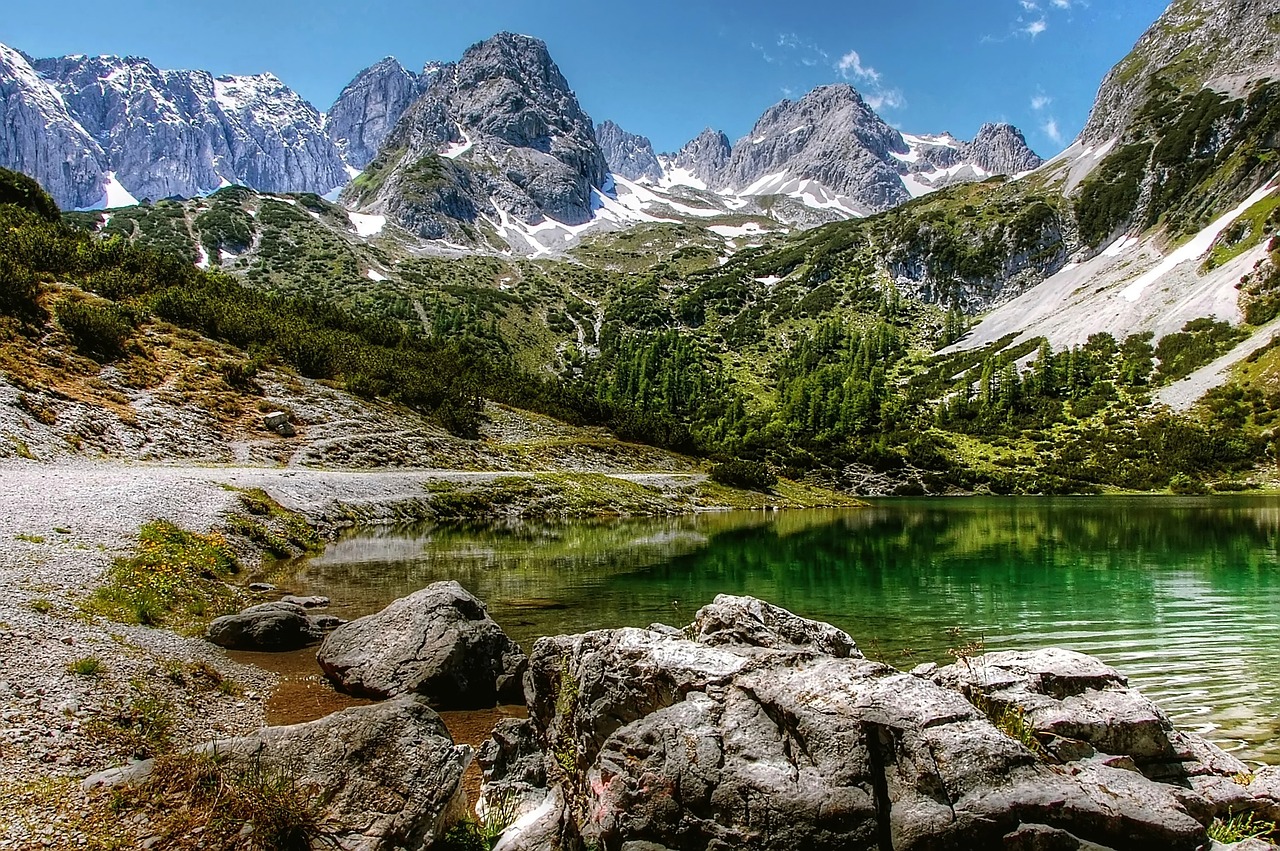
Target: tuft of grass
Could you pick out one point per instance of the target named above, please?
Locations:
(30, 539)
(141, 728)
(279, 531)
(194, 802)
(176, 578)
(88, 666)
(41, 606)
(1241, 826)
(199, 675)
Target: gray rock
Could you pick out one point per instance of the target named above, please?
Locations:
(311, 602)
(134, 772)
(515, 137)
(766, 730)
(705, 156)
(1000, 149)
(387, 776)
(1222, 44)
(369, 107)
(186, 133)
(40, 138)
(830, 136)
(326, 623)
(438, 642)
(748, 622)
(627, 154)
(1076, 697)
(268, 627)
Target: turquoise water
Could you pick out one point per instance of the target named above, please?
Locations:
(1179, 594)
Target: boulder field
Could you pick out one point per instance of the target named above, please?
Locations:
(752, 728)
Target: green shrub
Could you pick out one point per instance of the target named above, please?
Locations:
(1181, 483)
(748, 475)
(175, 578)
(99, 330)
(89, 666)
(22, 191)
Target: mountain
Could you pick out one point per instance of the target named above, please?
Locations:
(829, 143)
(497, 140)
(185, 133)
(369, 107)
(39, 137)
(832, 157)
(1220, 44)
(627, 154)
(1170, 191)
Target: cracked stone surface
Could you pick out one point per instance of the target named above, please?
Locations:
(756, 728)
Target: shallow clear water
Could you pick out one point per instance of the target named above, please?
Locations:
(1179, 594)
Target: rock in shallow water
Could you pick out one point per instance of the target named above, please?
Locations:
(438, 642)
(769, 731)
(269, 627)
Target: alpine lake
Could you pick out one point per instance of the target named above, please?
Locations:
(1182, 595)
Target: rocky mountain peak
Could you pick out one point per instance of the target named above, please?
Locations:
(166, 133)
(499, 134)
(1222, 44)
(1000, 149)
(627, 154)
(831, 136)
(704, 157)
(39, 136)
(369, 107)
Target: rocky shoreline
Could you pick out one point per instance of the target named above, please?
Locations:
(751, 728)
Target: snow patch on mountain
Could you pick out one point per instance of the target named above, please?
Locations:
(1133, 286)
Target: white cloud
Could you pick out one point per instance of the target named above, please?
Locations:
(1040, 101)
(886, 99)
(850, 67)
(1031, 5)
(1050, 129)
(1061, 4)
(1036, 27)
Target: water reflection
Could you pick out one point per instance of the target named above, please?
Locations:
(1178, 593)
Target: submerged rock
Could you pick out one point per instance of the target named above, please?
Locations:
(759, 729)
(268, 627)
(438, 642)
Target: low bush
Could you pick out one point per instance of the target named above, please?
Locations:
(99, 330)
(748, 475)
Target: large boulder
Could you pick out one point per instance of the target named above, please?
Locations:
(758, 729)
(438, 642)
(388, 776)
(269, 627)
(1070, 699)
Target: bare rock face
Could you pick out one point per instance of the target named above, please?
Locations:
(627, 154)
(1000, 149)
(186, 133)
(369, 107)
(831, 136)
(438, 642)
(388, 776)
(705, 157)
(758, 729)
(498, 133)
(40, 138)
(1222, 44)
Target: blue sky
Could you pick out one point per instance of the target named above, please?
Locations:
(663, 68)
